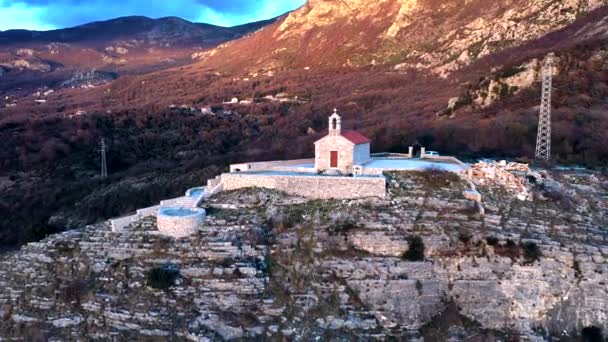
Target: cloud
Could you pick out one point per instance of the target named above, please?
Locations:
(47, 14)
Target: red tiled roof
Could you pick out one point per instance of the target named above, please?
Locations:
(355, 137)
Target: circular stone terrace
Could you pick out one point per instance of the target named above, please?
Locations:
(180, 222)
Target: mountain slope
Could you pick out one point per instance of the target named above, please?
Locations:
(168, 30)
(122, 46)
(421, 34)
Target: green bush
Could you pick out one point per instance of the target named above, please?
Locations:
(465, 237)
(77, 289)
(510, 249)
(415, 251)
(343, 226)
(492, 240)
(531, 252)
(163, 277)
(592, 334)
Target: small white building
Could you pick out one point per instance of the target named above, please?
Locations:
(341, 151)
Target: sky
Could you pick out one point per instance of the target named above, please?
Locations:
(53, 14)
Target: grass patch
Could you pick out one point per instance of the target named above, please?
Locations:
(434, 177)
(295, 215)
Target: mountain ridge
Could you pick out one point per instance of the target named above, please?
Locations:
(128, 24)
(405, 34)
(127, 45)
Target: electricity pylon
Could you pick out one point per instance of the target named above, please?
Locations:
(543, 141)
(104, 164)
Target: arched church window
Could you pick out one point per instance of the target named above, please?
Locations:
(334, 123)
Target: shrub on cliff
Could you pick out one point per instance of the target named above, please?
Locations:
(492, 240)
(415, 251)
(592, 334)
(531, 252)
(556, 193)
(163, 277)
(77, 289)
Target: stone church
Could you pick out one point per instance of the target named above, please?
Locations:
(339, 151)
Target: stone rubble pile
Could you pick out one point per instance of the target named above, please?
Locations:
(502, 174)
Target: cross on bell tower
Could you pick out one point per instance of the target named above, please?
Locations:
(335, 124)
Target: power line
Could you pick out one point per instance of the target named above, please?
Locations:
(543, 140)
(104, 164)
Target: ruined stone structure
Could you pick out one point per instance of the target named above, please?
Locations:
(341, 151)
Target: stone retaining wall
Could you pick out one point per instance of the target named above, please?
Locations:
(320, 187)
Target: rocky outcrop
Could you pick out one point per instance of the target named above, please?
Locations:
(266, 266)
(87, 79)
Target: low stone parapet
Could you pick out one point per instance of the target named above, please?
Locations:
(146, 212)
(320, 187)
(120, 224)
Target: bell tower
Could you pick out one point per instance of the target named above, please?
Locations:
(335, 124)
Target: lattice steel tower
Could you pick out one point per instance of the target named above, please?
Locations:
(104, 164)
(543, 141)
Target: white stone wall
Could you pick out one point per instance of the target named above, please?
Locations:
(270, 165)
(320, 187)
(146, 212)
(180, 226)
(362, 154)
(338, 143)
(119, 224)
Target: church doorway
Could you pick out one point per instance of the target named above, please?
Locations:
(333, 159)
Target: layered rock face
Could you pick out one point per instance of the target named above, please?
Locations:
(270, 266)
(441, 36)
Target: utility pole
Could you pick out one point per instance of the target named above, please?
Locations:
(104, 164)
(543, 141)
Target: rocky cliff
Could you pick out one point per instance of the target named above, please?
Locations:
(270, 266)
